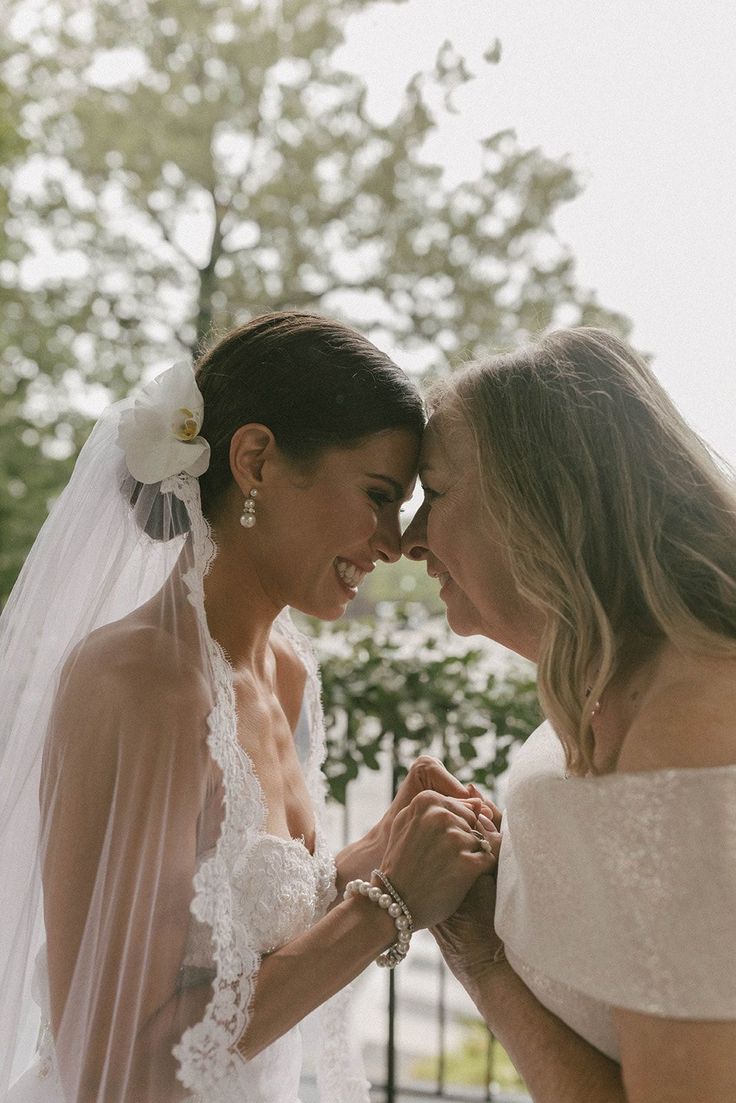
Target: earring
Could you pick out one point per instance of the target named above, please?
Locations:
(248, 516)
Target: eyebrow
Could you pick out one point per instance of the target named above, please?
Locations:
(396, 487)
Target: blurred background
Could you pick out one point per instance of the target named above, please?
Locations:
(449, 178)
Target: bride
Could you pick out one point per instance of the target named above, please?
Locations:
(170, 909)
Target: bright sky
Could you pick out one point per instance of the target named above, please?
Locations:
(640, 95)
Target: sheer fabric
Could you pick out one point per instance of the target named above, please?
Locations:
(619, 891)
(140, 888)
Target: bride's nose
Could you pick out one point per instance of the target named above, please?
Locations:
(387, 540)
(414, 540)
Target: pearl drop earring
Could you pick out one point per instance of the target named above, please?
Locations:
(248, 516)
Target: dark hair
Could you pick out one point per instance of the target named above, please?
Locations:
(314, 382)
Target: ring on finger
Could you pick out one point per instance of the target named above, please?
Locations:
(484, 844)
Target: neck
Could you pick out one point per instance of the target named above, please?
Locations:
(240, 613)
(614, 714)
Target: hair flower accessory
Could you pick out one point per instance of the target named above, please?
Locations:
(159, 431)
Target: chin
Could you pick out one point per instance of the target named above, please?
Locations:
(332, 614)
(464, 625)
(320, 611)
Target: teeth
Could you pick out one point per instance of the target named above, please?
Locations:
(349, 573)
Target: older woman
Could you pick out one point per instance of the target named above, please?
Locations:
(571, 515)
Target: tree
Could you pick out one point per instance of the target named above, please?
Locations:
(229, 169)
(28, 476)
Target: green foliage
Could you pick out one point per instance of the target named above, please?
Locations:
(469, 1064)
(28, 483)
(236, 170)
(398, 583)
(29, 475)
(402, 683)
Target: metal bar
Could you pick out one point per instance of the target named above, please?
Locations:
(490, 1054)
(346, 822)
(391, 1040)
(442, 1028)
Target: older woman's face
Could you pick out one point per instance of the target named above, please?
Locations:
(454, 534)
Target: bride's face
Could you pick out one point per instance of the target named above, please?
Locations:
(326, 529)
(462, 547)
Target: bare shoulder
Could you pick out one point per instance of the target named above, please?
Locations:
(124, 679)
(291, 677)
(126, 654)
(687, 718)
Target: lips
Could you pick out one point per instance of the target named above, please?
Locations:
(443, 577)
(350, 573)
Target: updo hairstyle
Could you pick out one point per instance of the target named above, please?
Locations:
(314, 382)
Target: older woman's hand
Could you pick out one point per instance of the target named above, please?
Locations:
(467, 938)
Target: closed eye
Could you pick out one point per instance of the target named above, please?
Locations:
(430, 495)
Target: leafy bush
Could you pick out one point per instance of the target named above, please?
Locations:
(401, 683)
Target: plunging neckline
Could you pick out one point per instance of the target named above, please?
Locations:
(299, 840)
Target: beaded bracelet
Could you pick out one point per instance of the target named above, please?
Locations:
(391, 902)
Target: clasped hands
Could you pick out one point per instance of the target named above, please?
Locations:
(442, 841)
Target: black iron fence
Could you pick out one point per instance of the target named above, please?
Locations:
(427, 1041)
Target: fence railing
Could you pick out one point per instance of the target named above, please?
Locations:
(422, 1037)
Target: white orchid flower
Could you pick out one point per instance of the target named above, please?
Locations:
(159, 432)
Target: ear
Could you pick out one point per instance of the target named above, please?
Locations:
(251, 445)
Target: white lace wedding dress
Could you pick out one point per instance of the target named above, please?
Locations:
(276, 889)
(252, 892)
(619, 891)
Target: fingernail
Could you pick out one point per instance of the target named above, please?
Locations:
(488, 824)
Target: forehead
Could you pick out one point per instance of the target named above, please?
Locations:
(392, 452)
(447, 441)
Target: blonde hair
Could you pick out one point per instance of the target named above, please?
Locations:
(619, 523)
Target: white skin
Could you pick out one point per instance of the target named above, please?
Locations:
(463, 548)
(646, 722)
(343, 509)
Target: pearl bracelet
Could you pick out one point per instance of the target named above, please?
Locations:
(391, 902)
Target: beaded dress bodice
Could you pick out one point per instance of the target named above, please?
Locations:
(281, 890)
(605, 900)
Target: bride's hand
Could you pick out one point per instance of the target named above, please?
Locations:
(426, 774)
(435, 853)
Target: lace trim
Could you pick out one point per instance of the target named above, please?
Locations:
(304, 649)
(48, 1068)
(206, 1052)
(340, 1074)
(340, 1071)
(315, 779)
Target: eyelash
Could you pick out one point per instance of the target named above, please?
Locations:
(429, 494)
(379, 497)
